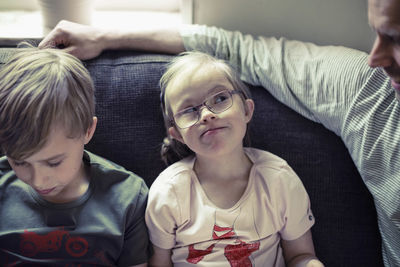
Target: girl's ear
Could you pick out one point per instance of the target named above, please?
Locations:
(175, 134)
(249, 109)
(90, 131)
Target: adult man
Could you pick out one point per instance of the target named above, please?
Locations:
(330, 85)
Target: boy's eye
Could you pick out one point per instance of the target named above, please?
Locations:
(54, 164)
(19, 163)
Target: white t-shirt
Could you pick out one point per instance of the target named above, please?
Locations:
(274, 205)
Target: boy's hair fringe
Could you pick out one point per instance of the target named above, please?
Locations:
(40, 88)
(185, 64)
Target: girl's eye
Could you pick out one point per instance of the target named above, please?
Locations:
(188, 111)
(53, 164)
(220, 98)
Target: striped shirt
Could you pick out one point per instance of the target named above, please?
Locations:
(334, 86)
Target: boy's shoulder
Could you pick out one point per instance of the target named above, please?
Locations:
(4, 165)
(5, 168)
(107, 173)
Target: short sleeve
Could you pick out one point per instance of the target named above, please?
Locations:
(294, 206)
(162, 214)
(136, 249)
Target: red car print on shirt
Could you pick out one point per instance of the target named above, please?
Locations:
(237, 254)
(33, 243)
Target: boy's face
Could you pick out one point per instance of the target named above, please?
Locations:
(56, 171)
(214, 134)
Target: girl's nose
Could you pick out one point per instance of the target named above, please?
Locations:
(381, 53)
(206, 114)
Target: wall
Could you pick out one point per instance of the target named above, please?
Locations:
(325, 22)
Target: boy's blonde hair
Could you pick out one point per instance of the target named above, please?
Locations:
(40, 88)
(183, 66)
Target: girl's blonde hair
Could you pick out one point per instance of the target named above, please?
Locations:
(184, 65)
(38, 89)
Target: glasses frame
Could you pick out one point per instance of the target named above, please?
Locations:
(199, 107)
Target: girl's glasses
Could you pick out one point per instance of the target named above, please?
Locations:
(216, 103)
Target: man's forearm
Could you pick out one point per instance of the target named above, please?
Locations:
(164, 40)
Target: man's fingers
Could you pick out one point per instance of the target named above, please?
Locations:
(314, 263)
(56, 38)
(73, 51)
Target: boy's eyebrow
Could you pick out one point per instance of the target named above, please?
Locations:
(54, 157)
(42, 160)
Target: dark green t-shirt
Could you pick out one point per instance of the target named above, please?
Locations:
(105, 226)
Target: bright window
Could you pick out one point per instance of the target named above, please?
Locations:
(154, 5)
(22, 18)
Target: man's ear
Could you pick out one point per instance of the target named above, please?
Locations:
(175, 134)
(249, 109)
(90, 131)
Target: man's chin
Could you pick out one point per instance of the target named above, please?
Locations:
(397, 94)
(396, 86)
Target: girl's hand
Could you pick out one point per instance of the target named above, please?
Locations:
(300, 252)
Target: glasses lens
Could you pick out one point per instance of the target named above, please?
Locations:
(216, 103)
(219, 102)
(186, 117)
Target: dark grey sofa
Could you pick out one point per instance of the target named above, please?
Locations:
(130, 131)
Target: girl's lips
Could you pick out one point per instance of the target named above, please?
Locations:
(45, 192)
(212, 131)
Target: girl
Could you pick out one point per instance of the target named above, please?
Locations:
(222, 204)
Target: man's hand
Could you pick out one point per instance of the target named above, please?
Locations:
(314, 263)
(82, 41)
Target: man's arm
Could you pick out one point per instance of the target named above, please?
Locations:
(318, 82)
(87, 42)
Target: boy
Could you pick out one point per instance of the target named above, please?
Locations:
(61, 205)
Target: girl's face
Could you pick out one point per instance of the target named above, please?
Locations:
(214, 134)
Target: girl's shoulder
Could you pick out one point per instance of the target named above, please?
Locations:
(271, 168)
(178, 172)
(264, 158)
(178, 167)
